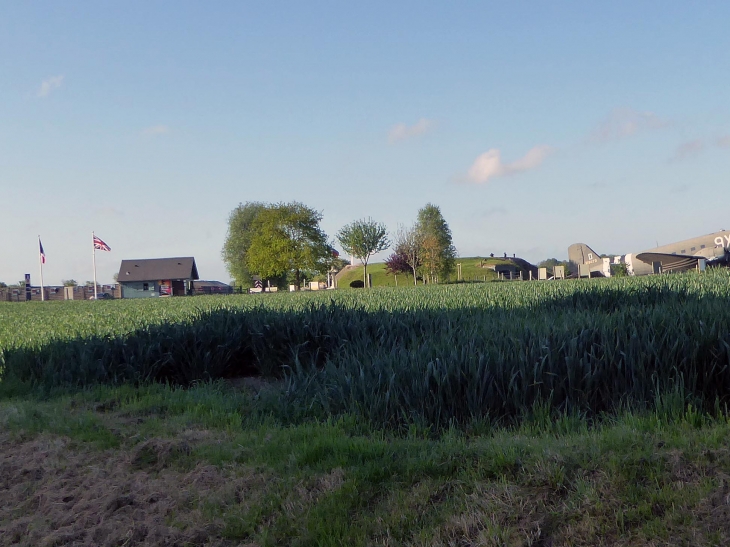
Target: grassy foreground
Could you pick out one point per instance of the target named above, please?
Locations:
(204, 466)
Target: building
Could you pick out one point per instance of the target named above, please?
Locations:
(150, 277)
(212, 287)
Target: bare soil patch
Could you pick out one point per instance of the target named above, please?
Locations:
(54, 493)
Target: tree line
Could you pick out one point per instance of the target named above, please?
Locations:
(284, 244)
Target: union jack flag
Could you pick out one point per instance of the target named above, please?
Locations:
(100, 245)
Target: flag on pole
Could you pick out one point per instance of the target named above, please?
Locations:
(43, 254)
(100, 245)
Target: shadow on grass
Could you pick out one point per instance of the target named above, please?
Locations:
(581, 354)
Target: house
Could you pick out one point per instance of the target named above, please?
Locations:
(150, 277)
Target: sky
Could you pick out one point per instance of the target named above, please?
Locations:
(531, 125)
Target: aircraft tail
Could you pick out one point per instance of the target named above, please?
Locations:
(580, 253)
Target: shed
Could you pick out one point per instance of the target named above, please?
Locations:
(150, 277)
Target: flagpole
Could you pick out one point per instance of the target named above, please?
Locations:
(93, 254)
(40, 263)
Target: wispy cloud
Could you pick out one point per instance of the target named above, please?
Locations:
(625, 122)
(109, 212)
(494, 211)
(49, 84)
(723, 142)
(401, 131)
(690, 149)
(489, 165)
(156, 130)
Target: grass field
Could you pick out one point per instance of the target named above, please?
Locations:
(429, 356)
(201, 466)
(588, 412)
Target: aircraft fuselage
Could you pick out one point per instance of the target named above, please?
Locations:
(711, 247)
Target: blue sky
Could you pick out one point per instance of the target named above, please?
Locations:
(531, 126)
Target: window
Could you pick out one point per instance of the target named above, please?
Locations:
(693, 249)
(683, 251)
(702, 246)
(145, 286)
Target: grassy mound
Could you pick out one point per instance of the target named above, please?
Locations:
(473, 269)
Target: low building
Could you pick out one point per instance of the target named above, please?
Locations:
(151, 277)
(212, 287)
(507, 271)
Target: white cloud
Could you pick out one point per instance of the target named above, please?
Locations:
(490, 165)
(624, 122)
(156, 130)
(49, 84)
(401, 131)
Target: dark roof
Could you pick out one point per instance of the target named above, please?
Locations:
(202, 283)
(157, 269)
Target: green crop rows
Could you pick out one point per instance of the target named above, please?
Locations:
(428, 355)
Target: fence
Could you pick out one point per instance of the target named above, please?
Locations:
(15, 294)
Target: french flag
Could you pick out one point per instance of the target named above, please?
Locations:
(43, 254)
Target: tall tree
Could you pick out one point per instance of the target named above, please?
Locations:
(439, 253)
(409, 245)
(287, 241)
(238, 241)
(362, 239)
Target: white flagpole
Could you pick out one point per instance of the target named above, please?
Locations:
(40, 263)
(93, 252)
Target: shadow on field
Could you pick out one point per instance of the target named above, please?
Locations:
(587, 352)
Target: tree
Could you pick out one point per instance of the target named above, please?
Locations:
(409, 245)
(286, 240)
(362, 239)
(439, 253)
(397, 263)
(3, 285)
(238, 241)
(69, 282)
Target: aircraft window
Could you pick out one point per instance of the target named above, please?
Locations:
(683, 251)
(693, 248)
(702, 246)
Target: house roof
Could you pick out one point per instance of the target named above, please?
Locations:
(157, 269)
(205, 283)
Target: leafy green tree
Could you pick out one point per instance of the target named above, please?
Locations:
(439, 253)
(67, 282)
(287, 241)
(362, 239)
(238, 241)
